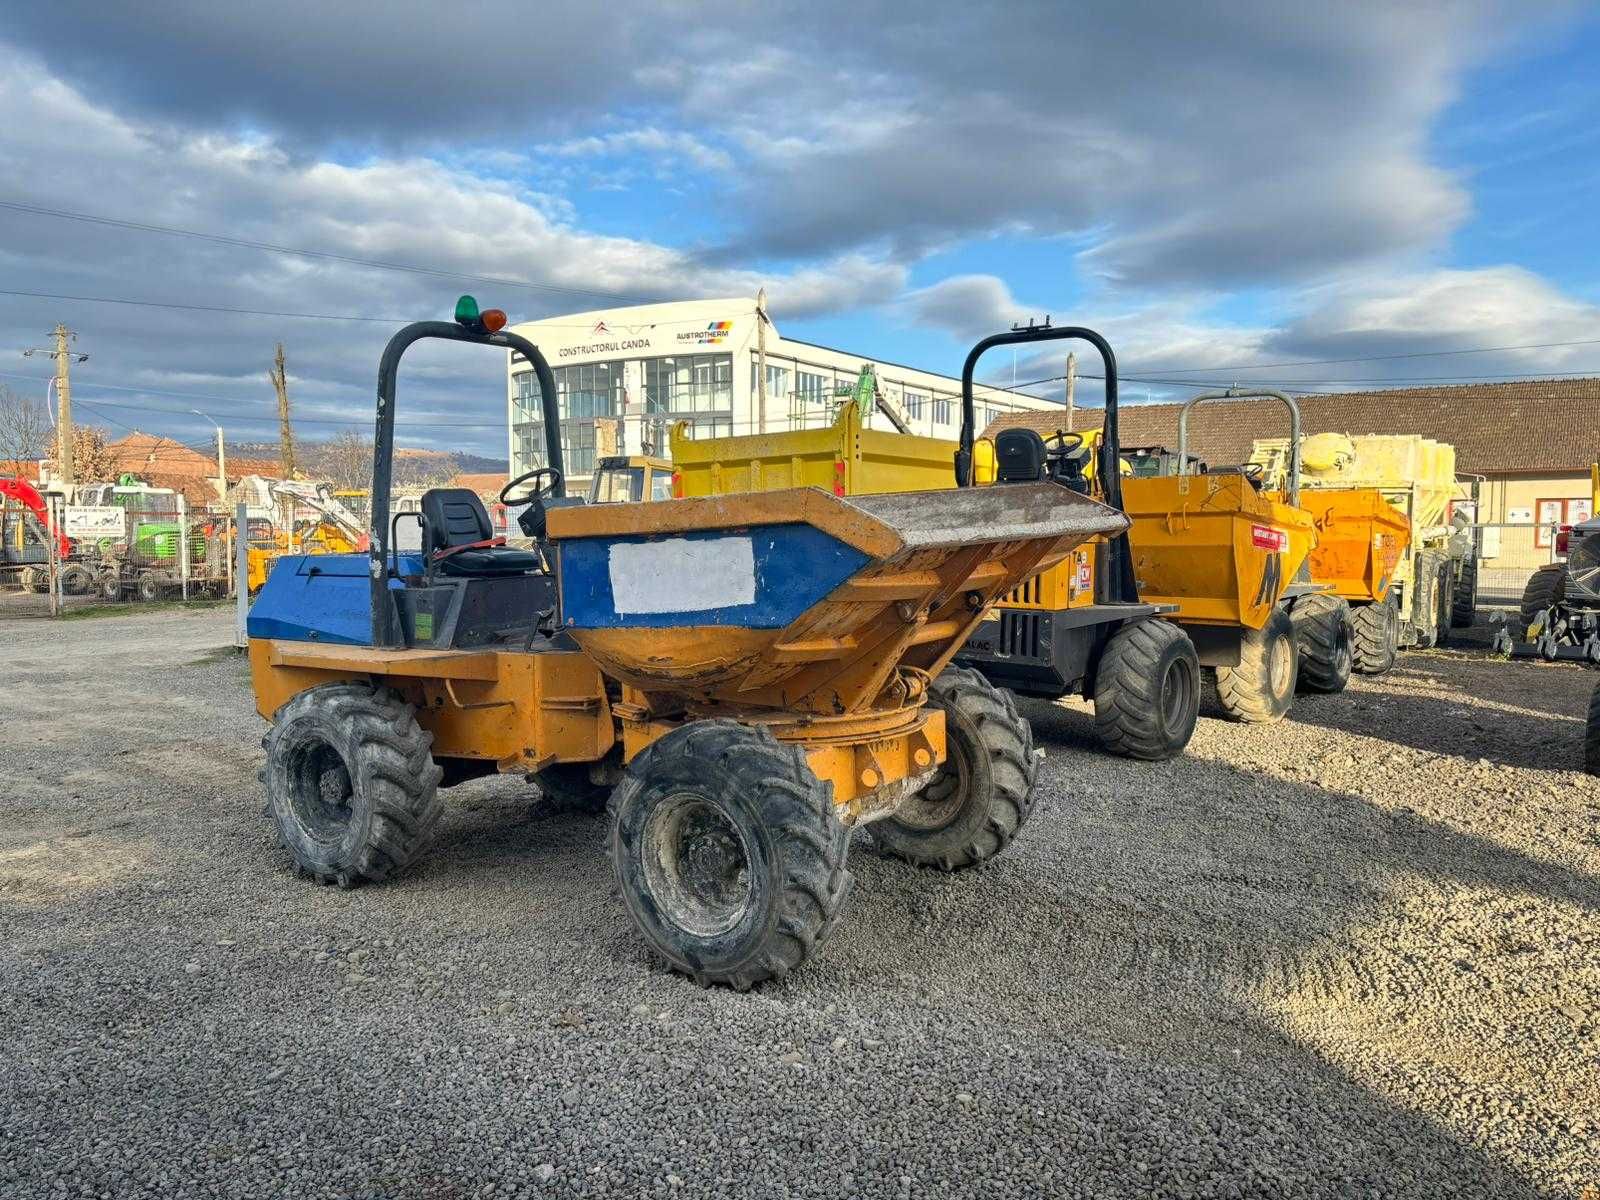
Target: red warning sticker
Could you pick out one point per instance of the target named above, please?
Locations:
(1264, 537)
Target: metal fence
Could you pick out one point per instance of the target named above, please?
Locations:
(1508, 555)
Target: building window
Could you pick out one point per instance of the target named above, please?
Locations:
(941, 410)
(1551, 514)
(584, 394)
(697, 388)
(915, 403)
(810, 403)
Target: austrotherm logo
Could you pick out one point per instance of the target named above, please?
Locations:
(713, 334)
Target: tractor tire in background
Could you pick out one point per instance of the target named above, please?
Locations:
(76, 580)
(1325, 636)
(1591, 738)
(1376, 637)
(147, 587)
(983, 791)
(1545, 588)
(1261, 688)
(1444, 602)
(110, 586)
(1425, 600)
(1464, 599)
(1147, 691)
(351, 783)
(727, 853)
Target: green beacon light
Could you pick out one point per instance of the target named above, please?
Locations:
(467, 311)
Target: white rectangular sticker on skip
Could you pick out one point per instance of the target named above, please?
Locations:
(679, 575)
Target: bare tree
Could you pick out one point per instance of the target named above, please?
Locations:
(24, 430)
(346, 460)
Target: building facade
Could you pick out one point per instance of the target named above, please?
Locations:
(624, 376)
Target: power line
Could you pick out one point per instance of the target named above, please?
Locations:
(360, 420)
(212, 308)
(325, 255)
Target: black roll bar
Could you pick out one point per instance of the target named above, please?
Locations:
(385, 617)
(1115, 585)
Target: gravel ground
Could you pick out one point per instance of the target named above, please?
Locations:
(1356, 953)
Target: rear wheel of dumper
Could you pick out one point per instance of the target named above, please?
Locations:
(727, 853)
(147, 587)
(351, 783)
(1261, 688)
(1591, 741)
(983, 791)
(1325, 638)
(1147, 691)
(111, 586)
(1376, 641)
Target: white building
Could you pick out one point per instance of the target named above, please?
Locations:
(624, 376)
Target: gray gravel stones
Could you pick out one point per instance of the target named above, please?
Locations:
(1354, 954)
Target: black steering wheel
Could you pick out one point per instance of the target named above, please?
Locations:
(536, 490)
(1064, 444)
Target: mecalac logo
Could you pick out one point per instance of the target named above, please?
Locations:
(713, 334)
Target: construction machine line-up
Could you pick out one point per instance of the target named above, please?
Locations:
(1387, 537)
(1227, 555)
(748, 676)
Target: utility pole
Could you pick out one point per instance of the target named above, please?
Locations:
(64, 355)
(1072, 385)
(280, 384)
(761, 361)
(222, 462)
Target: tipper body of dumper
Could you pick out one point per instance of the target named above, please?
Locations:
(1361, 540)
(798, 605)
(1214, 547)
(735, 681)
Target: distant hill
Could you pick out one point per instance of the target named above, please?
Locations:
(411, 466)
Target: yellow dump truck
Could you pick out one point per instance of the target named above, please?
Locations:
(1393, 479)
(845, 458)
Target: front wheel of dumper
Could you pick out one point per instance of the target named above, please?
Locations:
(1261, 688)
(983, 792)
(1147, 691)
(727, 853)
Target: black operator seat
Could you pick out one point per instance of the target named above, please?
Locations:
(1019, 456)
(462, 539)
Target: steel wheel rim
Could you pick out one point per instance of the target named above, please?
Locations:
(938, 804)
(1177, 685)
(697, 865)
(1279, 664)
(320, 793)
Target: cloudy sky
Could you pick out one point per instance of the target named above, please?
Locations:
(1217, 186)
